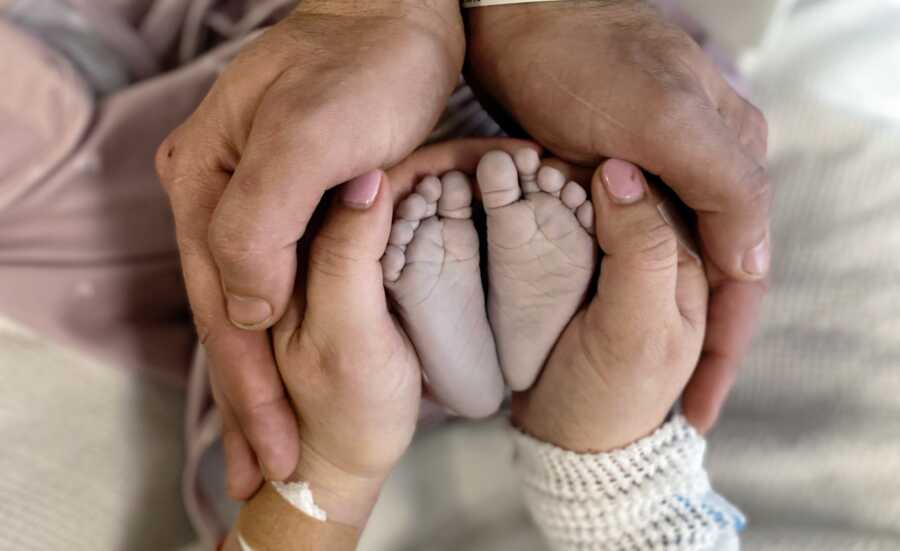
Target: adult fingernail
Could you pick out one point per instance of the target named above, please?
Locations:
(248, 312)
(360, 192)
(756, 260)
(624, 182)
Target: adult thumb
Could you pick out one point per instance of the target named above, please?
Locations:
(345, 282)
(639, 272)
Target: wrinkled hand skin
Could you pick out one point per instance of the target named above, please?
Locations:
(336, 89)
(596, 79)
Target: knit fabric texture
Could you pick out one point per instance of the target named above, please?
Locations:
(652, 495)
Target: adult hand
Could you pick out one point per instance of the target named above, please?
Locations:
(590, 80)
(336, 89)
(351, 373)
(349, 369)
(625, 358)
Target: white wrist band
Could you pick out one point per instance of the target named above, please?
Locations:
(482, 3)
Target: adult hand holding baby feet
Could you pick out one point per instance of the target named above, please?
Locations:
(351, 373)
(335, 89)
(627, 355)
(593, 80)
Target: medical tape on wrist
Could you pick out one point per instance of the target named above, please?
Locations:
(483, 3)
(284, 516)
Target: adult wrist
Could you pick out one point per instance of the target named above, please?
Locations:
(270, 520)
(440, 19)
(494, 20)
(345, 498)
(577, 427)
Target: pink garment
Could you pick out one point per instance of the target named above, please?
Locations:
(87, 249)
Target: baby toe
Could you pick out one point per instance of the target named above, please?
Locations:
(573, 195)
(585, 215)
(412, 208)
(456, 197)
(528, 163)
(402, 233)
(498, 180)
(550, 180)
(392, 263)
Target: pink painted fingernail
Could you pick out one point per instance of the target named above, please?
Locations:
(248, 312)
(360, 192)
(624, 182)
(756, 260)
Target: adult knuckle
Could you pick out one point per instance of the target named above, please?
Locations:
(672, 112)
(230, 244)
(753, 128)
(189, 185)
(755, 190)
(658, 248)
(250, 406)
(164, 160)
(757, 120)
(177, 174)
(676, 56)
(175, 155)
(246, 185)
(335, 254)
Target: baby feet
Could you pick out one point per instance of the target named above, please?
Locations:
(541, 257)
(433, 274)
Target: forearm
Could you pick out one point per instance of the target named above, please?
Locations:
(655, 491)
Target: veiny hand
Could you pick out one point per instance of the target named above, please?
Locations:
(625, 358)
(590, 80)
(336, 89)
(349, 369)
